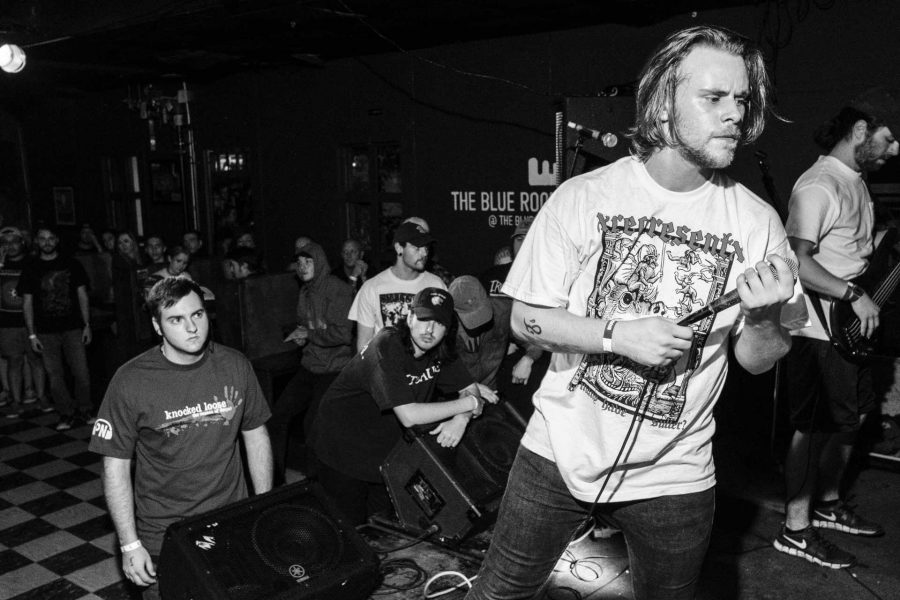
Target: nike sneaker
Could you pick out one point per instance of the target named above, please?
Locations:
(810, 545)
(841, 517)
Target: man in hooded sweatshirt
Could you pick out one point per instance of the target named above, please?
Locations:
(325, 335)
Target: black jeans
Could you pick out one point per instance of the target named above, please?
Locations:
(301, 396)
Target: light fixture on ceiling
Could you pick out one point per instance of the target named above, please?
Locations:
(12, 58)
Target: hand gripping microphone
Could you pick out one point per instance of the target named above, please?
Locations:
(730, 299)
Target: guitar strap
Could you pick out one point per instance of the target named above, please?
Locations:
(816, 301)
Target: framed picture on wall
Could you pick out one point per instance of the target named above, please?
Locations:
(64, 205)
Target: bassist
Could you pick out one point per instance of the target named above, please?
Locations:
(830, 227)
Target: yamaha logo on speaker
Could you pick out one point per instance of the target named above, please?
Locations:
(298, 573)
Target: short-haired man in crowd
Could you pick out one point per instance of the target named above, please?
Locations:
(178, 410)
(57, 317)
(623, 419)
(384, 299)
(353, 268)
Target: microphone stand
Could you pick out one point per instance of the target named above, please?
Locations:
(579, 144)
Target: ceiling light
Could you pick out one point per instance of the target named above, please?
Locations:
(12, 58)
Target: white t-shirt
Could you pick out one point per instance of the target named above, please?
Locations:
(830, 206)
(384, 299)
(614, 244)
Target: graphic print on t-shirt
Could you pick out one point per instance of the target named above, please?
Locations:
(56, 294)
(215, 411)
(649, 268)
(394, 307)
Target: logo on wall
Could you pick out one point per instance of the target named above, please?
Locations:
(510, 208)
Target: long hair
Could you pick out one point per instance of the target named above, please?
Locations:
(445, 351)
(660, 78)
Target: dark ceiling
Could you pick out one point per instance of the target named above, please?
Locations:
(96, 44)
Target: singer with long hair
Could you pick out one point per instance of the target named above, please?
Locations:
(623, 419)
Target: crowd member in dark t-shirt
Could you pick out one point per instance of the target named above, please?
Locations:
(178, 412)
(57, 316)
(389, 385)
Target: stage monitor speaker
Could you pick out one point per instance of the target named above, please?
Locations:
(286, 544)
(604, 114)
(457, 489)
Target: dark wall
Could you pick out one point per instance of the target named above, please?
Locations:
(468, 117)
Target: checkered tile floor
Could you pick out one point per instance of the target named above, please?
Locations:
(56, 539)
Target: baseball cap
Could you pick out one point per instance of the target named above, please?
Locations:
(522, 229)
(881, 103)
(433, 304)
(471, 301)
(412, 233)
(11, 231)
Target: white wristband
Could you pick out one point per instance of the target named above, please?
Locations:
(607, 335)
(474, 403)
(132, 546)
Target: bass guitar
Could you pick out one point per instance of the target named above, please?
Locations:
(880, 282)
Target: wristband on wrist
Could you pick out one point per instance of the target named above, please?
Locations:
(474, 403)
(853, 293)
(607, 335)
(132, 546)
(32, 336)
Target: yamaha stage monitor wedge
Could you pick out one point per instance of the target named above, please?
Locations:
(286, 544)
(457, 489)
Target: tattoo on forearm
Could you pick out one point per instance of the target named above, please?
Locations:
(532, 327)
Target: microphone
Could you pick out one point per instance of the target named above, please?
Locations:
(730, 299)
(609, 140)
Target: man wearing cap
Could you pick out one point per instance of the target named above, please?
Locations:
(384, 299)
(14, 345)
(830, 227)
(390, 385)
(481, 339)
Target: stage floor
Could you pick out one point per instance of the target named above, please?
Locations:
(57, 542)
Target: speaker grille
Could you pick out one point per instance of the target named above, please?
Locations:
(494, 444)
(285, 535)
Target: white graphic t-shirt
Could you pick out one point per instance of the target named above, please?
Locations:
(614, 244)
(384, 300)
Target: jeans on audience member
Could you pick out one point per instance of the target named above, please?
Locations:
(300, 396)
(68, 344)
(667, 537)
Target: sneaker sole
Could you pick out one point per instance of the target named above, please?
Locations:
(820, 524)
(813, 559)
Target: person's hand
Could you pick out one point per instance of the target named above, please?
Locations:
(868, 313)
(522, 370)
(298, 336)
(36, 344)
(651, 341)
(763, 292)
(360, 268)
(138, 567)
(86, 335)
(450, 432)
(487, 394)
